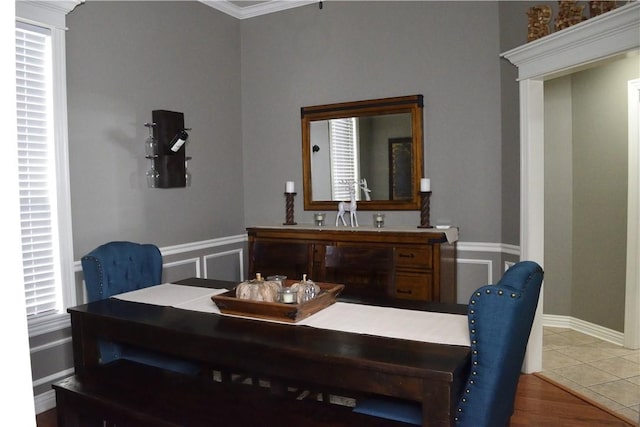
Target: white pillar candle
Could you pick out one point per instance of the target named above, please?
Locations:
(289, 187)
(425, 185)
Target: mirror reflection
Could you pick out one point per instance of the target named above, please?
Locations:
(363, 151)
(371, 149)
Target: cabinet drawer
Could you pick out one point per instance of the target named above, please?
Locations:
(414, 256)
(414, 286)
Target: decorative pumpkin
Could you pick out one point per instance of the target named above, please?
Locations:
(306, 289)
(258, 290)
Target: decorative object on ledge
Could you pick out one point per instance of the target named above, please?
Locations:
(539, 18)
(378, 220)
(351, 207)
(165, 148)
(318, 219)
(289, 194)
(365, 189)
(425, 222)
(599, 7)
(425, 196)
(569, 13)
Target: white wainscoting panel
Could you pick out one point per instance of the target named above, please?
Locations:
(486, 262)
(166, 266)
(237, 252)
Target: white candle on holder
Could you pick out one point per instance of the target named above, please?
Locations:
(289, 187)
(425, 185)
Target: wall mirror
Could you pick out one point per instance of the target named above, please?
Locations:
(372, 149)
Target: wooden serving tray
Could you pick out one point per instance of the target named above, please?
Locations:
(229, 304)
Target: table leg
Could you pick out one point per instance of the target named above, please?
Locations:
(85, 346)
(437, 405)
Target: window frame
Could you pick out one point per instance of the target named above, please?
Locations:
(52, 17)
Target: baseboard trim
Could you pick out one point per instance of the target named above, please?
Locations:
(584, 327)
(45, 401)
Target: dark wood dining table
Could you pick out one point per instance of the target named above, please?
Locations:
(433, 374)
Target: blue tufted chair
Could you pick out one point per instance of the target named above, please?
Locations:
(500, 320)
(118, 267)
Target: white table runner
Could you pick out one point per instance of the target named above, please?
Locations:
(425, 326)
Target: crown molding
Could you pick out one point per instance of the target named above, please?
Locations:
(50, 12)
(258, 9)
(605, 35)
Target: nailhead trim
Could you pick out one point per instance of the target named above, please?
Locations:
(474, 342)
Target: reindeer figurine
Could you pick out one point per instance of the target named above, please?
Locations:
(350, 207)
(365, 189)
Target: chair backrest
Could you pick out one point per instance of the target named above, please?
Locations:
(365, 271)
(118, 267)
(500, 320)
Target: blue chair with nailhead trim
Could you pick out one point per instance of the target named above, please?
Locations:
(117, 267)
(500, 320)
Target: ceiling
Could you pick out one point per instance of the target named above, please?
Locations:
(243, 9)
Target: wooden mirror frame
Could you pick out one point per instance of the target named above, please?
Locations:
(412, 104)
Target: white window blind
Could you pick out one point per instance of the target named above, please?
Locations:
(36, 168)
(344, 153)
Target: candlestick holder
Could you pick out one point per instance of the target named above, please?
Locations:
(425, 197)
(289, 209)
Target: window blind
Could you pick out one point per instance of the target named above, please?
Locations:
(36, 168)
(344, 169)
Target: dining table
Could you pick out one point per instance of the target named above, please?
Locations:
(330, 353)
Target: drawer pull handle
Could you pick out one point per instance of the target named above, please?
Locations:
(406, 255)
(401, 291)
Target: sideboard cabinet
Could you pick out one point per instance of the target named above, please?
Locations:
(415, 264)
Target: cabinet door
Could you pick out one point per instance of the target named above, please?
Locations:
(365, 271)
(291, 259)
(415, 286)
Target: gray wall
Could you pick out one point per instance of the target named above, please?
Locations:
(600, 150)
(558, 196)
(125, 59)
(447, 51)
(513, 33)
(586, 146)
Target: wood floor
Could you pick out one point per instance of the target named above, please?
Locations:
(539, 402)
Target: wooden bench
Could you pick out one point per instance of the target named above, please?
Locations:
(125, 393)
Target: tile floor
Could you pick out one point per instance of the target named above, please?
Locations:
(603, 372)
